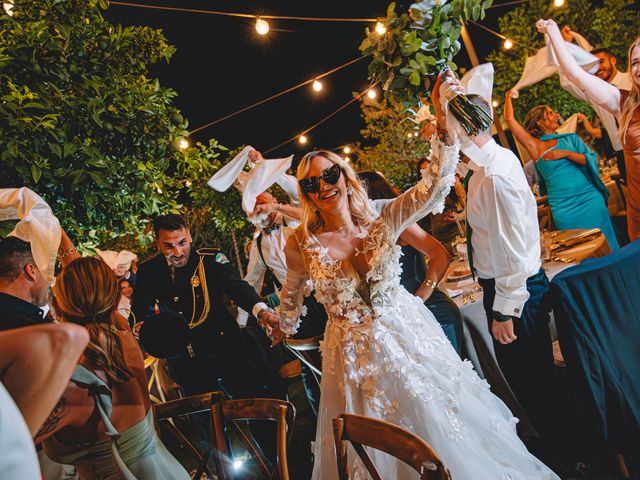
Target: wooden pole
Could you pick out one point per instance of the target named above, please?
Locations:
(473, 56)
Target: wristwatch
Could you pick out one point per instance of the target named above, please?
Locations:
(499, 317)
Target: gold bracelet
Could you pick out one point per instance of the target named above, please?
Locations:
(430, 283)
(67, 253)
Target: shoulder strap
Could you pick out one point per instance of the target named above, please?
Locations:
(273, 275)
(101, 393)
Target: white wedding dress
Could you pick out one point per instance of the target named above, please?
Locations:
(385, 356)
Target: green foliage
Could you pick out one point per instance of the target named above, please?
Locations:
(417, 45)
(81, 123)
(394, 149)
(612, 24)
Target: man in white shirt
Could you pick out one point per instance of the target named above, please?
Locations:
(608, 72)
(504, 244)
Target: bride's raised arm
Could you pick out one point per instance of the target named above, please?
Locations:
(292, 294)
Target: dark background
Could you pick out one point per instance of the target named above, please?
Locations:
(222, 65)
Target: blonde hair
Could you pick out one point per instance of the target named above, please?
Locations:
(361, 212)
(632, 102)
(86, 292)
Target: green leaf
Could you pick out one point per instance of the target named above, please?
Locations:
(414, 78)
(36, 173)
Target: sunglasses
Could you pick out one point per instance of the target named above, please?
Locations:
(330, 175)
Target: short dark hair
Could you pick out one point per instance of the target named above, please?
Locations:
(605, 50)
(15, 254)
(169, 222)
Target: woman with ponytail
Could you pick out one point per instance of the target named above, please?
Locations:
(625, 105)
(103, 423)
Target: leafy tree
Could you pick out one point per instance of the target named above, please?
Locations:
(82, 123)
(612, 24)
(393, 147)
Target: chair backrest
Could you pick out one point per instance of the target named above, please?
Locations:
(391, 439)
(229, 412)
(184, 407)
(301, 347)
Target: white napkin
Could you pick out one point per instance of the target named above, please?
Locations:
(119, 262)
(570, 125)
(479, 81)
(38, 226)
(452, 293)
(544, 64)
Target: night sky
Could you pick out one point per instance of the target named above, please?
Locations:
(222, 64)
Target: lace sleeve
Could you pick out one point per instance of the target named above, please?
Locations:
(292, 294)
(428, 195)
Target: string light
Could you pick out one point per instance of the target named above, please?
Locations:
(381, 29)
(187, 183)
(372, 94)
(347, 158)
(184, 144)
(508, 44)
(495, 103)
(302, 139)
(558, 3)
(317, 85)
(409, 135)
(347, 149)
(159, 190)
(262, 26)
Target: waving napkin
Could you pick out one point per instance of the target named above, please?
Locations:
(544, 64)
(38, 226)
(261, 177)
(119, 262)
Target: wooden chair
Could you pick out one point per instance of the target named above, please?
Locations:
(172, 409)
(300, 349)
(229, 412)
(391, 439)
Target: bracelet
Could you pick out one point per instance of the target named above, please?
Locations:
(430, 283)
(67, 253)
(268, 309)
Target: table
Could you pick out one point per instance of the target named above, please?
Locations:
(477, 342)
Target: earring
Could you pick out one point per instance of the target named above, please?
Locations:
(349, 190)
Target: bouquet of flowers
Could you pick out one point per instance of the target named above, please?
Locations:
(416, 46)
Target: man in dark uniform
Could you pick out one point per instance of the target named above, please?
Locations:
(193, 284)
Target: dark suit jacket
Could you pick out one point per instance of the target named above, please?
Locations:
(220, 333)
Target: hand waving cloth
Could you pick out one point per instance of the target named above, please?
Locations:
(38, 226)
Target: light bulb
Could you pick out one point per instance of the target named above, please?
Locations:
(347, 149)
(317, 85)
(237, 465)
(184, 144)
(302, 139)
(262, 26)
(347, 159)
(187, 183)
(159, 190)
(495, 103)
(372, 93)
(380, 28)
(558, 3)
(508, 44)
(409, 135)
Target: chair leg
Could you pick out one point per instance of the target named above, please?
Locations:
(341, 448)
(622, 466)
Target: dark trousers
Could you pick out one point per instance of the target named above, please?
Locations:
(527, 363)
(448, 316)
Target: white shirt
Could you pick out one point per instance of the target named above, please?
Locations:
(621, 81)
(502, 212)
(18, 458)
(273, 251)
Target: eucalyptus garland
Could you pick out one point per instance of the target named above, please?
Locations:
(419, 44)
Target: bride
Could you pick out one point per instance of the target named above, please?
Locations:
(384, 354)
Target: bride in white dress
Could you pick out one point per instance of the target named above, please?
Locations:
(384, 354)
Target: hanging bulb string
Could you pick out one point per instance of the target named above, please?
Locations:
(320, 122)
(499, 35)
(244, 15)
(279, 94)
